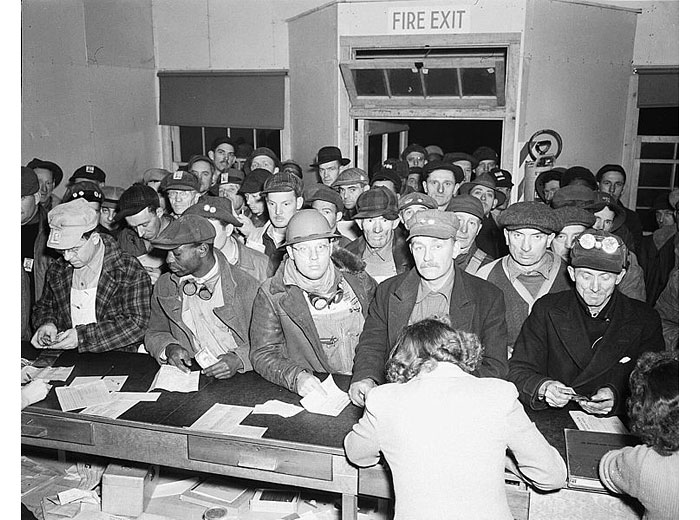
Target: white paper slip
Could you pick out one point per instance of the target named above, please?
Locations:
(243, 430)
(332, 403)
(114, 383)
(172, 485)
(175, 380)
(136, 396)
(592, 423)
(75, 494)
(221, 418)
(277, 408)
(74, 397)
(48, 373)
(111, 409)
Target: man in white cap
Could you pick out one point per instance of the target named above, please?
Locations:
(309, 316)
(96, 298)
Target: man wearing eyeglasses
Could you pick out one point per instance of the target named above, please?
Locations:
(95, 298)
(581, 344)
(309, 316)
(201, 309)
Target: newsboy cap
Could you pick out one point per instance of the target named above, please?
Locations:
(69, 221)
(283, 181)
(377, 202)
(87, 190)
(414, 148)
(466, 204)
(573, 215)
(326, 193)
(351, 176)
(29, 182)
(180, 180)
(529, 215)
(416, 198)
(254, 181)
(599, 250)
(188, 229)
(433, 223)
(135, 199)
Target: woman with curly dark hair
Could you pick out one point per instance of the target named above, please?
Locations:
(649, 471)
(445, 432)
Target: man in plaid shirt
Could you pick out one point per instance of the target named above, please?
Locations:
(96, 298)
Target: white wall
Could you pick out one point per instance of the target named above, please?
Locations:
(88, 86)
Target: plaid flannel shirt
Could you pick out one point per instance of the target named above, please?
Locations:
(122, 304)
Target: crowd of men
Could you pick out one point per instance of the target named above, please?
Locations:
(231, 270)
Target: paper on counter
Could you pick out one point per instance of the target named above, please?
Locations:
(111, 409)
(173, 379)
(136, 396)
(47, 373)
(243, 430)
(114, 383)
(332, 403)
(221, 418)
(81, 396)
(592, 423)
(277, 408)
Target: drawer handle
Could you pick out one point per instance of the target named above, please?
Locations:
(251, 461)
(33, 431)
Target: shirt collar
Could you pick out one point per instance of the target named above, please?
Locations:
(543, 267)
(384, 253)
(445, 290)
(211, 274)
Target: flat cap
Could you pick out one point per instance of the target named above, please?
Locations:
(180, 180)
(188, 229)
(416, 198)
(573, 195)
(434, 149)
(214, 207)
(599, 250)
(68, 221)
(282, 182)
(135, 199)
(414, 148)
(112, 195)
(89, 172)
(602, 200)
(573, 215)
(484, 153)
(610, 168)
(254, 181)
(387, 174)
(466, 204)
(155, 174)
(29, 182)
(460, 156)
(529, 215)
(579, 175)
(351, 176)
(377, 202)
(326, 193)
(231, 176)
(443, 165)
(433, 223)
(266, 152)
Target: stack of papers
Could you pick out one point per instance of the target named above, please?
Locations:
(275, 407)
(46, 373)
(114, 383)
(96, 397)
(226, 418)
(332, 403)
(593, 423)
(173, 379)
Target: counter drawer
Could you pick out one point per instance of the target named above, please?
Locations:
(57, 428)
(261, 457)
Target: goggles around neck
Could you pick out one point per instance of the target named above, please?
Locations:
(190, 288)
(321, 302)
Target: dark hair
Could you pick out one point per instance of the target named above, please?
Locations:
(611, 168)
(198, 158)
(221, 140)
(653, 402)
(421, 345)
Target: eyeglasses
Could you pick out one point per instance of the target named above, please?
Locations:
(190, 288)
(321, 302)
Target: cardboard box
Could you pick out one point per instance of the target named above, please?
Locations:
(126, 490)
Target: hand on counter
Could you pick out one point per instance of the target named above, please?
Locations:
(307, 383)
(178, 356)
(66, 340)
(358, 391)
(34, 392)
(45, 336)
(226, 367)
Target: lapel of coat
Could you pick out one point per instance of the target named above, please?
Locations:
(294, 304)
(230, 312)
(401, 303)
(462, 306)
(107, 285)
(569, 328)
(171, 302)
(622, 330)
(65, 282)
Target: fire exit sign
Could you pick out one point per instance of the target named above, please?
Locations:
(427, 20)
